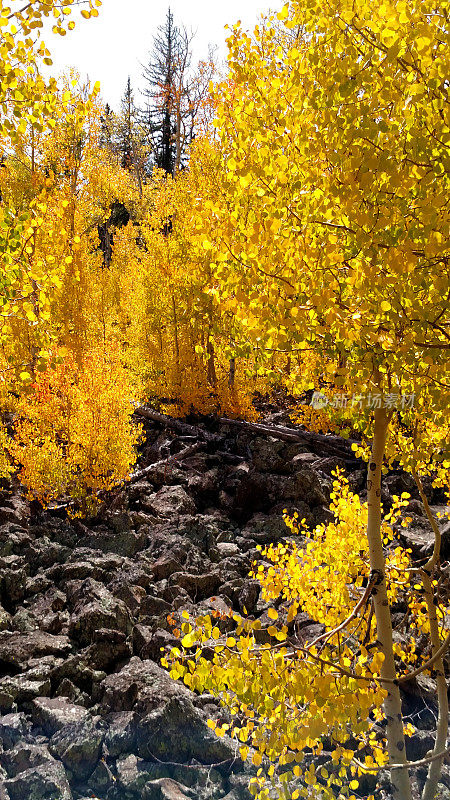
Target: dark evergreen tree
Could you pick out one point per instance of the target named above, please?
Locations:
(126, 125)
(159, 75)
(107, 128)
(175, 95)
(118, 217)
(120, 136)
(133, 140)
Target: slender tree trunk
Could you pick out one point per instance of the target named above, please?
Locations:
(137, 169)
(401, 785)
(435, 768)
(232, 373)
(35, 293)
(175, 333)
(32, 153)
(178, 136)
(212, 377)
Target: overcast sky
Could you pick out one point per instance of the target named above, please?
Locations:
(114, 45)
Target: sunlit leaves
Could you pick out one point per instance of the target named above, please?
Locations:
(322, 196)
(331, 237)
(284, 699)
(74, 433)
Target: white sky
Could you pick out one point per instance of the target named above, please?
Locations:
(112, 46)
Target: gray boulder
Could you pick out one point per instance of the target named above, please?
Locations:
(137, 778)
(16, 648)
(268, 455)
(264, 529)
(94, 608)
(53, 714)
(24, 756)
(198, 587)
(13, 727)
(101, 779)
(170, 500)
(140, 686)
(167, 789)
(132, 775)
(120, 735)
(27, 686)
(47, 781)
(78, 746)
(164, 566)
(5, 619)
(177, 727)
(152, 606)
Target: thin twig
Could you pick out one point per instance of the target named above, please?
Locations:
(409, 764)
(327, 635)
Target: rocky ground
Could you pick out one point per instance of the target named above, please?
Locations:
(86, 709)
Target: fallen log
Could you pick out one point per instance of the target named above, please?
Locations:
(319, 443)
(164, 462)
(176, 424)
(134, 478)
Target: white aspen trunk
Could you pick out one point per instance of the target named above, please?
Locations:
(401, 784)
(435, 768)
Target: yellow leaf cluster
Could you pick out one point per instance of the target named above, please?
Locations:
(73, 434)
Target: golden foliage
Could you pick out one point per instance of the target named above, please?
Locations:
(74, 434)
(286, 695)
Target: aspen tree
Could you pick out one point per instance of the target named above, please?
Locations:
(332, 231)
